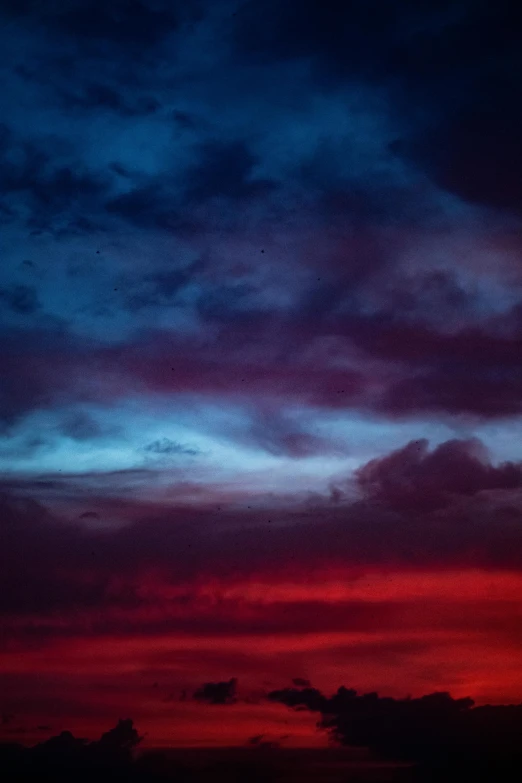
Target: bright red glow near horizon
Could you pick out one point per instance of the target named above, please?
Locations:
(396, 632)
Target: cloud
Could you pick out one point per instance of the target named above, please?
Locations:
(490, 391)
(169, 447)
(220, 172)
(37, 369)
(429, 56)
(280, 436)
(435, 731)
(413, 479)
(99, 96)
(225, 170)
(147, 206)
(81, 426)
(21, 299)
(446, 508)
(349, 43)
(288, 234)
(470, 148)
(311, 698)
(331, 182)
(163, 287)
(401, 370)
(44, 186)
(217, 692)
(126, 24)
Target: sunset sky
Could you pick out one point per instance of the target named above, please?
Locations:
(260, 360)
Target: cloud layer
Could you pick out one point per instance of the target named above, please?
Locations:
(261, 327)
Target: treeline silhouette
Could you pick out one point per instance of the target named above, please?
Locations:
(440, 739)
(112, 758)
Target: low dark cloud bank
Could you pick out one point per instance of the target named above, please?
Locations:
(445, 737)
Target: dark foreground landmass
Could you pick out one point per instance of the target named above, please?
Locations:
(292, 765)
(115, 757)
(431, 739)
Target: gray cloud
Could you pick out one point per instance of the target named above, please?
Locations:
(166, 446)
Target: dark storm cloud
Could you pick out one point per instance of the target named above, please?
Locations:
(225, 170)
(149, 206)
(471, 148)
(217, 692)
(99, 96)
(162, 363)
(474, 370)
(412, 478)
(47, 182)
(125, 23)
(44, 188)
(476, 154)
(459, 61)
(363, 40)
(396, 44)
(489, 386)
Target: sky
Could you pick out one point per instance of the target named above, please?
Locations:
(260, 360)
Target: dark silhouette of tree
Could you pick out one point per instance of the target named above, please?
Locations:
(119, 742)
(68, 757)
(111, 759)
